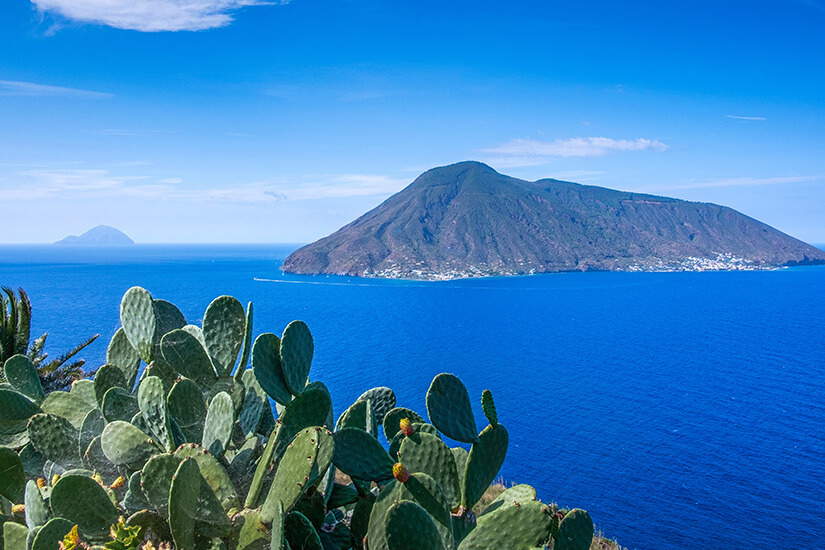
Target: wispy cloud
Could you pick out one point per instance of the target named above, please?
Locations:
(330, 187)
(737, 117)
(37, 184)
(747, 181)
(73, 183)
(577, 175)
(31, 89)
(152, 15)
(529, 152)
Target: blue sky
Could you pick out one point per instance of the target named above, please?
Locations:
(244, 121)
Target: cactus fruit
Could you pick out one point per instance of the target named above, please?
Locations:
(406, 427)
(393, 419)
(489, 407)
(400, 473)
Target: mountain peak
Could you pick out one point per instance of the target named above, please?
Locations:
(101, 235)
(466, 220)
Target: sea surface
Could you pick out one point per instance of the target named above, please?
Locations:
(682, 410)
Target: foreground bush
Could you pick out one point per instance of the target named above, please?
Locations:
(186, 453)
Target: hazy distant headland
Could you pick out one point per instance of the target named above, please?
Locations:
(102, 235)
(467, 220)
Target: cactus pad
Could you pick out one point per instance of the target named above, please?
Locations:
(55, 438)
(48, 535)
(217, 428)
(212, 472)
(448, 405)
(22, 375)
(266, 364)
(67, 405)
(224, 326)
(296, 355)
(119, 404)
(185, 354)
(483, 464)
(15, 411)
(168, 317)
(12, 475)
(297, 471)
(519, 526)
(300, 534)
(156, 480)
(137, 315)
(407, 526)
(575, 531)
(83, 501)
(489, 407)
(186, 405)
(108, 376)
(423, 452)
(121, 354)
(184, 493)
(382, 400)
(152, 403)
(36, 510)
(125, 444)
(358, 454)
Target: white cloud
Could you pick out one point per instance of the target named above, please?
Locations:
(152, 15)
(30, 89)
(737, 117)
(529, 152)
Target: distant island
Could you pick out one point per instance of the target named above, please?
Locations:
(102, 235)
(467, 220)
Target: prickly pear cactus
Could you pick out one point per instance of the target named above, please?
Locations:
(208, 465)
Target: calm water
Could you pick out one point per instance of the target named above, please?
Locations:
(682, 410)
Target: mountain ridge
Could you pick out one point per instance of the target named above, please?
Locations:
(466, 220)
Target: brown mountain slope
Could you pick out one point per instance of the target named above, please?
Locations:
(466, 219)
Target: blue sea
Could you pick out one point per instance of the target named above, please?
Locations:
(682, 410)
